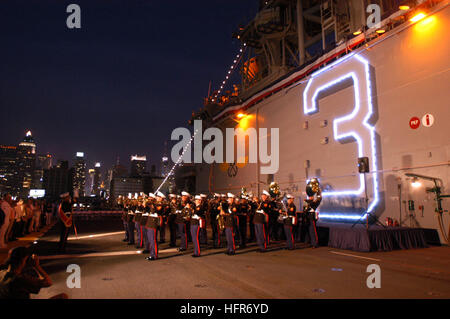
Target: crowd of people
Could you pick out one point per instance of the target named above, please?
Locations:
(241, 218)
(22, 217)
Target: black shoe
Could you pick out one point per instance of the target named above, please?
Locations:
(243, 246)
(145, 251)
(181, 249)
(124, 240)
(261, 250)
(194, 255)
(162, 241)
(138, 247)
(172, 245)
(150, 258)
(129, 244)
(231, 253)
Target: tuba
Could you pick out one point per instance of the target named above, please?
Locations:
(274, 190)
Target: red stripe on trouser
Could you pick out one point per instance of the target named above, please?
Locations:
(156, 244)
(232, 236)
(198, 243)
(264, 232)
(218, 235)
(315, 232)
(185, 235)
(292, 235)
(142, 235)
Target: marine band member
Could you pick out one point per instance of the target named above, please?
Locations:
(181, 218)
(65, 220)
(229, 210)
(153, 222)
(197, 223)
(289, 221)
(260, 221)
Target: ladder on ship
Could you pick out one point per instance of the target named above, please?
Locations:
(333, 21)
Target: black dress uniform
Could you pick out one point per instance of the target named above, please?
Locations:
(214, 211)
(242, 216)
(125, 223)
(268, 207)
(309, 210)
(172, 224)
(260, 221)
(201, 212)
(230, 222)
(131, 225)
(253, 207)
(181, 225)
(196, 224)
(289, 223)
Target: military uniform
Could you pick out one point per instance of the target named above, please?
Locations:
(143, 222)
(138, 226)
(181, 225)
(172, 224)
(125, 223)
(288, 223)
(214, 211)
(267, 206)
(260, 222)
(309, 211)
(131, 225)
(153, 222)
(230, 222)
(65, 224)
(242, 216)
(162, 210)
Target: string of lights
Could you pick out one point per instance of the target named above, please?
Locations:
(230, 70)
(172, 170)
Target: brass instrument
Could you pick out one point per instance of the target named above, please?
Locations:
(221, 219)
(274, 190)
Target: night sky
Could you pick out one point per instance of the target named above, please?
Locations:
(119, 85)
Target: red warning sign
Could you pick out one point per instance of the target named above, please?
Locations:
(414, 122)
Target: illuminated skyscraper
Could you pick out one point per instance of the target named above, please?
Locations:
(26, 162)
(9, 174)
(79, 178)
(138, 165)
(96, 180)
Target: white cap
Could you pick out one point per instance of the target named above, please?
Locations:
(172, 195)
(151, 195)
(266, 193)
(289, 196)
(185, 194)
(229, 195)
(198, 197)
(203, 196)
(223, 195)
(64, 195)
(159, 194)
(216, 195)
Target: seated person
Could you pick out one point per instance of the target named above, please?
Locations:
(21, 275)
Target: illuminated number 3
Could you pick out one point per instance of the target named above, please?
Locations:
(355, 125)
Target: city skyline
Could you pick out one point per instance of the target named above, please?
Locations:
(78, 90)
